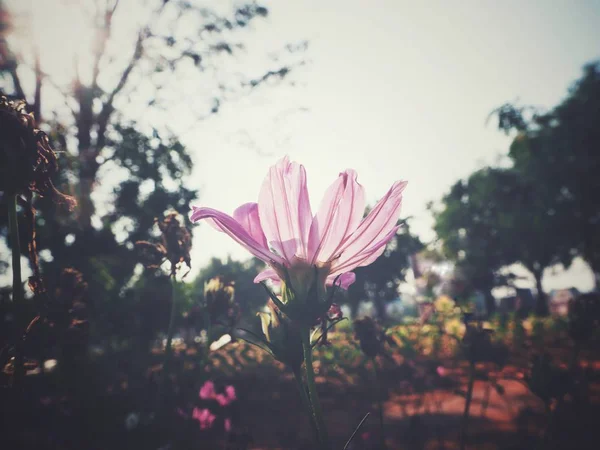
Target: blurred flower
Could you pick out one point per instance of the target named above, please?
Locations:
(441, 371)
(227, 398)
(304, 252)
(204, 417)
(175, 246)
(207, 391)
(227, 425)
(444, 305)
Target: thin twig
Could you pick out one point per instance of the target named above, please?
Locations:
(356, 430)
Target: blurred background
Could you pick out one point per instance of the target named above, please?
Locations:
(489, 110)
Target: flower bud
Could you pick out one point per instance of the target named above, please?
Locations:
(282, 336)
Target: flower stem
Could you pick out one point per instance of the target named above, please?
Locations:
(305, 400)
(13, 225)
(379, 394)
(317, 413)
(168, 350)
(465, 419)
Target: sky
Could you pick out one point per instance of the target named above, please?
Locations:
(393, 89)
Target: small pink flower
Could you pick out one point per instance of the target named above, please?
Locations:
(230, 392)
(222, 399)
(205, 417)
(281, 230)
(227, 425)
(227, 398)
(207, 391)
(442, 371)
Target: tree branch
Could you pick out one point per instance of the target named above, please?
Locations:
(37, 96)
(108, 108)
(103, 35)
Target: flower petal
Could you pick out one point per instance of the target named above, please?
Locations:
(284, 209)
(378, 223)
(344, 281)
(247, 216)
(366, 257)
(236, 231)
(339, 214)
(268, 274)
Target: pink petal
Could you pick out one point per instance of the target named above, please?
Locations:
(373, 232)
(227, 425)
(236, 231)
(247, 216)
(367, 256)
(339, 214)
(284, 209)
(344, 281)
(267, 274)
(230, 392)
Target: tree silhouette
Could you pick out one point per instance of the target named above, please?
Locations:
(560, 150)
(121, 156)
(496, 218)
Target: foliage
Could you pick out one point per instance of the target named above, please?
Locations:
(493, 219)
(560, 150)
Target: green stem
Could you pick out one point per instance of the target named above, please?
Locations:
(317, 413)
(13, 226)
(168, 350)
(305, 400)
(465, 419)
(379, 394)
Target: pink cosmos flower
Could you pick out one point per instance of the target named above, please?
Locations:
(282, 231)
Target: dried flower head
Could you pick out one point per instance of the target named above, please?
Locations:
(175, 246)
(219, 301)
(371, 336)
(27, 161)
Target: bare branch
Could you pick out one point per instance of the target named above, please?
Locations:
(102, 38)
(108, 107)
(17, 83)
(37, 96)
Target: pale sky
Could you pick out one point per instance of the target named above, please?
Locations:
(395, 90)
(392, 89)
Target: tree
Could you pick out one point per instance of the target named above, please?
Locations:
(494, 219)
(560, 150)
(380, 280)
(123, 171)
